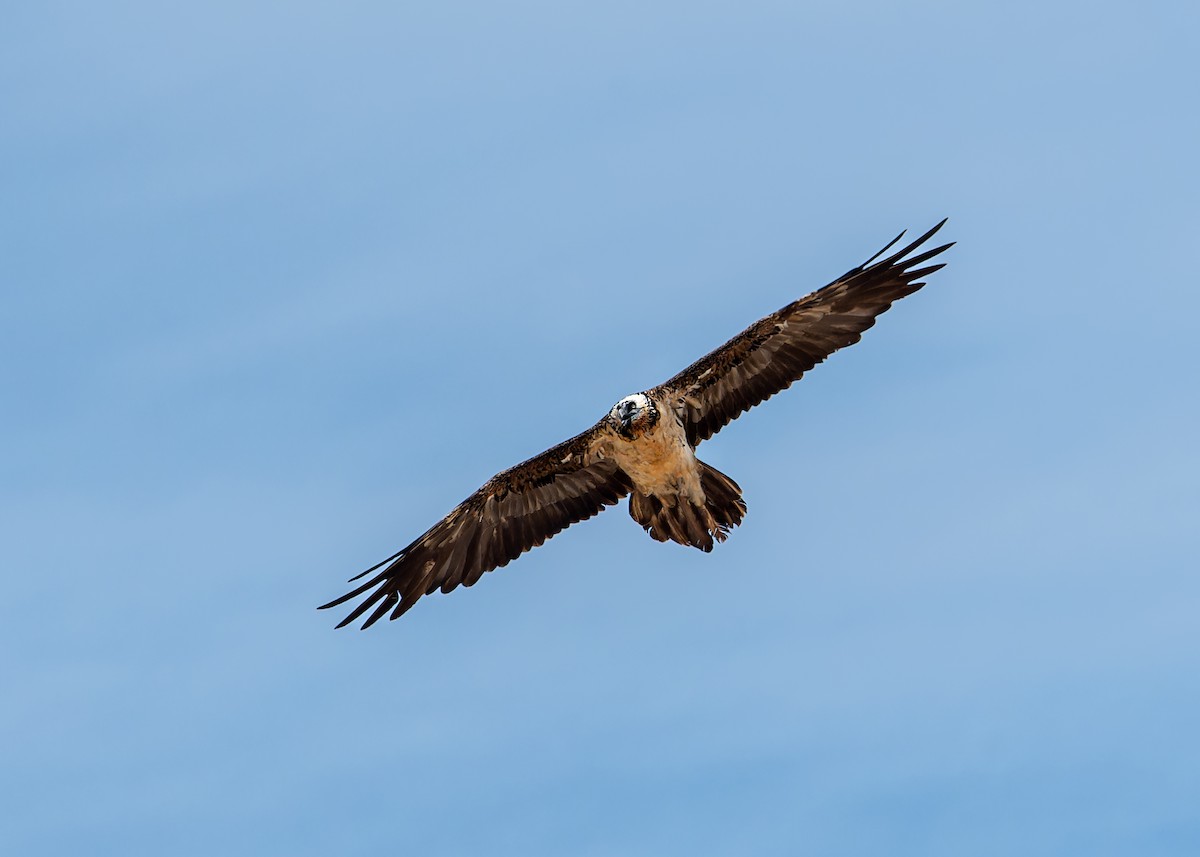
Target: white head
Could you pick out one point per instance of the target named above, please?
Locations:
(633, 413)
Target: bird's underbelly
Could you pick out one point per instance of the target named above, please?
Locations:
(661, 462)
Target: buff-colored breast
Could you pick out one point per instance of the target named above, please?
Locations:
(660, 461)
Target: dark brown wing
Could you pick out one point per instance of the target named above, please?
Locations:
(775, 351)
(514, 511)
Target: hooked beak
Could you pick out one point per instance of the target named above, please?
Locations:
(625, 414)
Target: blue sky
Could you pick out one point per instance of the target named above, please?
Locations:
(285, 282)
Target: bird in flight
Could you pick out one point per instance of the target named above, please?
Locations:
(645, 447)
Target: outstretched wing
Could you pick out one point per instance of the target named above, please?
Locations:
(775, 351)
(514, 511)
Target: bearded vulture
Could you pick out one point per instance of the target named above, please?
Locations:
(645, 447)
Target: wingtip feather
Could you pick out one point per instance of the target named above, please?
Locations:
(886, 247)
(924, 272)
(379, 564)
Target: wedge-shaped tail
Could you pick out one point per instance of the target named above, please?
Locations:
(690, 523)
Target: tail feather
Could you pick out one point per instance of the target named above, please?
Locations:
(680, 520)
(724, 498)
